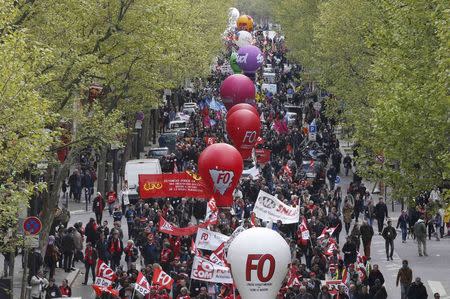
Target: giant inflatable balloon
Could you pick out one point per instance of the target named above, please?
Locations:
(259, 259)
(242, 106)
(237, 89)
(233, 63)
(250, 59)
(244, 128)
(245, 22)
(244, 38)
(220, 165)
(233, 15)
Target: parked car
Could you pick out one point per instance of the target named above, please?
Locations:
(168, 140)
(178, 125)
(158, 152)
(133, 169)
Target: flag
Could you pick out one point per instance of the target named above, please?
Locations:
(330, 231)
(218, 255)
(142, 286)
(211, 212)
(99, 290)
(304, 231)
(169, 229)
(252, 219)
(162, 279)
(194, 249)
(104, 274)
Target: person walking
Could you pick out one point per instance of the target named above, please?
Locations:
(38, 284)
(115, 249)
(98, 205)
(112, 198)
(417, 290)
(349, 250)
(68, 249)
(369, 212)
(381, 212)
(404, 276)
(347, 212)
(402, 222)
(366, 237)
(420, 231)
(347, 164)
(90, 259)
(389, 234)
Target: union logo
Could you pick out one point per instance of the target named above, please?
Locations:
(148, 186)
(194, 175)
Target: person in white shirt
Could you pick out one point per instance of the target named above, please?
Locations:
(38, 284)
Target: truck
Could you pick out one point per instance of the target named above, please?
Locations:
(133, 169)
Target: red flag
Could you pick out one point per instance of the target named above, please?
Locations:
(330, 231)
(161, 278)
(142, 286)
(218, 255)
(167, 228)
(99, 290)
(194, 249)
(104, 274)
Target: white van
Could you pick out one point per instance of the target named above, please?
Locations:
(133, 169)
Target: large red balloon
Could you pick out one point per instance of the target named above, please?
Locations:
(237, 89)
(220, 165)
(243, 128)
(242, 106)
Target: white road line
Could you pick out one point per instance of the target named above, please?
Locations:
(78, 212)
(437, 287)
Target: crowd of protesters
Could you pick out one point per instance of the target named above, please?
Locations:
(327, 209)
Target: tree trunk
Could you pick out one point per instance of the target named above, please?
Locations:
(126, 153)
(51, 202)
(101, 172)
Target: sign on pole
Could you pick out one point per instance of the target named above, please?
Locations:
(32, 225)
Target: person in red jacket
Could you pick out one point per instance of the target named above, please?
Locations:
(90, 259)
(65, 289)
(98, 205)
(184, 293)
(166, 257)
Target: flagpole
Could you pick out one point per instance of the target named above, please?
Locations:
(134, 290)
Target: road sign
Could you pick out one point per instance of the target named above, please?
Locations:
(32, 225)
(31, 241)
(312, 129)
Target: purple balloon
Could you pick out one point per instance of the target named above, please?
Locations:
(249, 58)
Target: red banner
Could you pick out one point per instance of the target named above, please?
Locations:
(183, 184)
(262, 155)
(167, 228)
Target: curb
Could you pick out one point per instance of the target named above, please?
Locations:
(72, 276)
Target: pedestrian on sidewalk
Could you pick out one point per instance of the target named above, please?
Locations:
(347, 212)
(98, 205)
(389, 234)
(369, 212)
(115, 249)
(35, 262)
(417, 290)
(381, 212)
(420, 232)
(38, 284)
(111, 196)
(65, 289)
(52, 290)
(51, 256)
(402, 222)
(404, 276)
(90, 259)
(68, 249)
(131, 254)
(366, 237)
(349, 250)
(347, 163)
(91, 231)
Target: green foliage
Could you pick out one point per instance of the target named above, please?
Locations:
(387, 64)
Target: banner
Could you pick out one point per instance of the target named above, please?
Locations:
(205, 270)
(167, 228)
(218, 256)
(304, 229)
(183, 184)
(209, 240)
(211, 212)
(262, 155)
(104, 274)
(163, 279)
(142, 286)
(270, 208)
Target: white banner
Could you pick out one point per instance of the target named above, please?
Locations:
(205, 270)
(270, 208)
(209, 240)
(103, 282)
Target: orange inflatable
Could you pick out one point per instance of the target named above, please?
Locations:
(245, 22)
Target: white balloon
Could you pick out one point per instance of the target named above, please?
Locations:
(244, 38)
(259, 259)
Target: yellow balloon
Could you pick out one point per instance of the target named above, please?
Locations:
(245, 22)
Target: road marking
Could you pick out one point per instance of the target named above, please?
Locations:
(78, 212)
(437, 287)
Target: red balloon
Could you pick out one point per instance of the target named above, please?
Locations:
(237, 89)
(220, 165)
(244, 127)
(242, 106)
